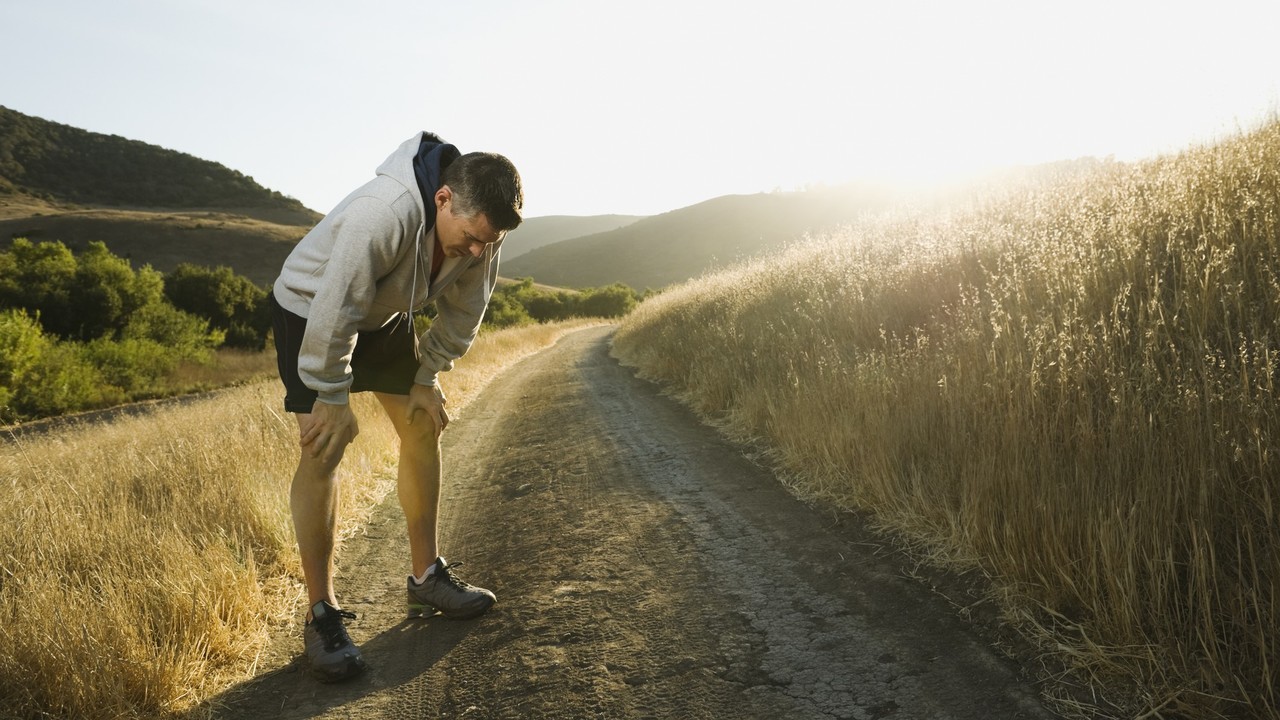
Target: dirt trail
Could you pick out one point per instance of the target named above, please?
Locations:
(643, 568)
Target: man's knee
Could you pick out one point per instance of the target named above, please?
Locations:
(420, 437)
(317, 470)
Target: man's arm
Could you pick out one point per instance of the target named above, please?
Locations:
(460, 308)
(426, 403)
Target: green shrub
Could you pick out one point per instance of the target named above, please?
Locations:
(134, 364)
(611, 301)
(231, 302)
(61, 380)
(188, 336)
(82, 297)
(506, 311)
(21, 343)
(38, 278)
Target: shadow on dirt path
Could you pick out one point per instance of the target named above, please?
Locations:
(644, 568)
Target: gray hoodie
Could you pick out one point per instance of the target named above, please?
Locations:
(369, 260)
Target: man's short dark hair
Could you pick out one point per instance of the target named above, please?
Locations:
(486, 183)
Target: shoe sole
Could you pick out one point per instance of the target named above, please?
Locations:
(421, 610)
(348, 671)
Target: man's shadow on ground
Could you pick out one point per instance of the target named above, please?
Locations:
(395, 657)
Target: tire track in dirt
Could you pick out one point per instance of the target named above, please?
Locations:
(644, 568)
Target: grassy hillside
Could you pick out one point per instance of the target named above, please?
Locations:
(1069, 385)
(56, 161)
(251, 247)
(145, 203)
(682, 244)
(536, 232)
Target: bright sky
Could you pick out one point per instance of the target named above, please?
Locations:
(643, 107)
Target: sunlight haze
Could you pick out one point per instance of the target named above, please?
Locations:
(640, 108)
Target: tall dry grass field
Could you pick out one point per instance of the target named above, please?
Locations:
(143, 561)
(1070, 384)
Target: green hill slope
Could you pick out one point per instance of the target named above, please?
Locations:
(57, 161)
(151, 205)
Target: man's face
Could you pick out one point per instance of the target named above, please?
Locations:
(461, 236)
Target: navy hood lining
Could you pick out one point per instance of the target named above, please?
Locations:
(434, 155)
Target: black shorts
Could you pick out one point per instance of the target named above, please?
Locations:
(385, 360)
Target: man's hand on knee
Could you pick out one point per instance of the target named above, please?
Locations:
(327, 430)
(427, 400)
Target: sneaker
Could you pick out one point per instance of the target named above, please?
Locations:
(330, 652)
(447, 594)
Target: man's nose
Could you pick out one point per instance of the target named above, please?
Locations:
(475, 249)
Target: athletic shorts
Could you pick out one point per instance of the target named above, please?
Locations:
(385, 360)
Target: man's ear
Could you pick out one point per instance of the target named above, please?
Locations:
(443, 195)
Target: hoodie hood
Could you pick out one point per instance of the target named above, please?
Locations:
(434, 155)
(418, 164)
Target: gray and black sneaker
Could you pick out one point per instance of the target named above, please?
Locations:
(446, 593)
(330, 652)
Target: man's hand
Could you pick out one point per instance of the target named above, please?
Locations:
(427, 400)
(327, 429)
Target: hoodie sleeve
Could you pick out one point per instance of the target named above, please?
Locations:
(367, 236)
(460, 308)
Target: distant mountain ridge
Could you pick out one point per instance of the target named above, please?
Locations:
(536, 232)
(53, 161)
(685, 243)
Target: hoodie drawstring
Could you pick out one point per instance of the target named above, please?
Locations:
(417, 262)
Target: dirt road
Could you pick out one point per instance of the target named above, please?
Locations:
(643, 568)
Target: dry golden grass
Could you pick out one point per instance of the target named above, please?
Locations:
(1069, 383)
(143, 561)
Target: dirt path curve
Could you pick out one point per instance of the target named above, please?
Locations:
(643, 568)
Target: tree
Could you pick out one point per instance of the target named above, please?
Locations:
(38, 278)
(610, 301)
(107, 292)
(231, 302)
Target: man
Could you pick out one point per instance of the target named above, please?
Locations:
(427, 228)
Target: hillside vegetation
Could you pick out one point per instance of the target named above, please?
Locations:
(685, 243)
(1070, 385)
(145, 203)
(53, 160)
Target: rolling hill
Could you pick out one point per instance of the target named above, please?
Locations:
(144, 202)
(682, 244)
(535, 232)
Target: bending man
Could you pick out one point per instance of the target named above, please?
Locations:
(427, 228)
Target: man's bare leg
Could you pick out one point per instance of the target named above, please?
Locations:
(313, 500)
(417, 481)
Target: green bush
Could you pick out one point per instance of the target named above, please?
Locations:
(82, 297)
(188, 336)
(231, 302)
(511, 303)
(107, 292)
(611, 301)
(506, 311)
(61, 380)
(21, 345)
(134, 364)
(38, 278)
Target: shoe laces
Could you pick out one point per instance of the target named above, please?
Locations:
(446, 572)
(332, 630)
